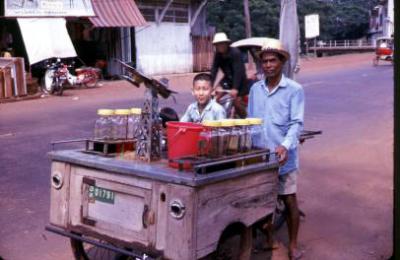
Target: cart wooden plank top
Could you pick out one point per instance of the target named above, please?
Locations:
(154, 209)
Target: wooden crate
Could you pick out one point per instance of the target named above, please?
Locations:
(12, 77)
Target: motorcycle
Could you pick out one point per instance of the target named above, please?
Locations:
(58, 74)
(384, 50)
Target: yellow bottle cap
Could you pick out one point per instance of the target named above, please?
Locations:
(136, 111)
(211, 123)
(255, 121)
(105, 112)
(241, 122)
(227, 122)
(122, 112)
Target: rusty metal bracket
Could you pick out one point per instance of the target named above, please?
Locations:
(89, 181)
(88, 221)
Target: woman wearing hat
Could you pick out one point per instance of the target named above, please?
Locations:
(279, 101)
(229, 60)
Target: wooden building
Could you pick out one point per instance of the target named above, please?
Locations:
(156, 36)
(176, 38)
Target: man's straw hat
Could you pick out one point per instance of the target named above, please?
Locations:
(274, 46)
(220, 38)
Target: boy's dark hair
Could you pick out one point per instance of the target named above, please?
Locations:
(202, 76)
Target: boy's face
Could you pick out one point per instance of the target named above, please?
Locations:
(202, 91)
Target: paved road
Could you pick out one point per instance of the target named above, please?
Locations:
(345, 185)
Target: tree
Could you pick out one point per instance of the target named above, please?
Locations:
(339, 19)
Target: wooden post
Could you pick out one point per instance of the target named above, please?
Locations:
(248, 27)
(20, 76)
(8, 83)
(247, 18)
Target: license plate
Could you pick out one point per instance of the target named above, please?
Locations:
(101, 194)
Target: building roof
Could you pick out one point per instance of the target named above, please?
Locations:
(116, 13)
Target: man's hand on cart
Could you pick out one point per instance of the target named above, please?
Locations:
(282, 154)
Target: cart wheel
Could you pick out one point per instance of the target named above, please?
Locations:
(85, 251)
(235, 244)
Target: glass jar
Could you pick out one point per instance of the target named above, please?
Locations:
(257, 133)
(225, 132)
(209, 139)
(241, 126)
(133, 122)
(120, 124)
(102, 126)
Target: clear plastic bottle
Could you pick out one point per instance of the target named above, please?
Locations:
(102, 127)
(134, 122)
(120, 124)
(257, 133)
(209, 139)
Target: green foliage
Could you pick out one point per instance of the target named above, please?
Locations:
(228, 16)
(339, 19)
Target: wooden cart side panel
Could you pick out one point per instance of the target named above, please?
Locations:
(59, 198)
(180, 243)
(245, 200)
(130, 229)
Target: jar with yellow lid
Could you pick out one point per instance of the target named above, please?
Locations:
(134, 122)
(225, 133)
(242, 129)
(209, 139)
(120, 124)
(257, 133)
(103, 124)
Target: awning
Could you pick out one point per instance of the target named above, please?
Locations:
(46, 38)
(116, 13)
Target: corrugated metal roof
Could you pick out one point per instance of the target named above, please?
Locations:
(116, 13)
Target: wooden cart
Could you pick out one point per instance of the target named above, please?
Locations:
(149, 211)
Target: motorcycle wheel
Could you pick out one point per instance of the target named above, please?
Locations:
(48, 83)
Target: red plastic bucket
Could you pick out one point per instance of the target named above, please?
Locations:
(182, 140)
